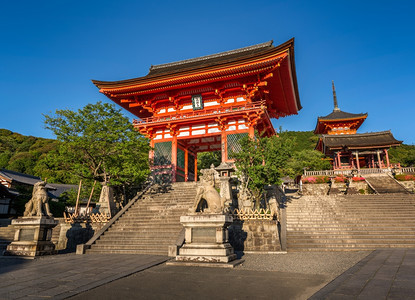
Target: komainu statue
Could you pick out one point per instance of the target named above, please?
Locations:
(38, 205)
(207, 197)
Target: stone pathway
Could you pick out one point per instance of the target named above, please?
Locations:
(62, 276)
(381, 274)
(384, 274)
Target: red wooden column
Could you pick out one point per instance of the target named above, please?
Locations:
(224, 145)
(151, 153)
(174, 155)
(195, 166)
(379, 161)
(387, 158)
(357, 160)
(338, 160)
(251, 131)
(186, 164)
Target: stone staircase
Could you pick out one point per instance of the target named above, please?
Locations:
(150, 225)
(6, 234)
(384, 184)
(351, 222)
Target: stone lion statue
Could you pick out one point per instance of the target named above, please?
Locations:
(207, 197)
(38, 205)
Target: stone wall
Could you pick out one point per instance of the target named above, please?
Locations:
(409, 185)
(356, 186)
(338, 187)
(71, 235)
(255, 235)
(315, 189)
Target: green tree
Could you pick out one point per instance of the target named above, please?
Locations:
(206, 159)
(97, 143)
(263, 161)
(404, 154)
(307, 158)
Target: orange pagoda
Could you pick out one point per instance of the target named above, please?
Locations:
(208, 103)
(348, 149)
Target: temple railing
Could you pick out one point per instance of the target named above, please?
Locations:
(346, 172)
(407, 170)
(250, 214)
(202, 113)
(87, 218)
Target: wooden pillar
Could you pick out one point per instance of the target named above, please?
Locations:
(357, 160)
(186, 164)
(251, 131)
(387, 158)
(338, 160)
(151, 153)
(379, 161)
(224, 145)
(195, 166)
(174, 156)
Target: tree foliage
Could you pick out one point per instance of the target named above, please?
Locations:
(404, 154)
(263, 161)
(97, 143)
(22, 153)
(206, 159)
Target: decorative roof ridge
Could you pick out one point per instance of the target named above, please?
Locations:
(201, 58)
(341, 111)
(354, 134)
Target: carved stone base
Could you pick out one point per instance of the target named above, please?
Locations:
(32, 236)
(206, 239)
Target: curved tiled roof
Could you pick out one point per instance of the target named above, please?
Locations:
(360, 140)
(202, 62)
(341, 115)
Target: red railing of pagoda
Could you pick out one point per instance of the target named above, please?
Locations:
(202, 112)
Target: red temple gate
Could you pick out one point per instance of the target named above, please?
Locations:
(209, 103)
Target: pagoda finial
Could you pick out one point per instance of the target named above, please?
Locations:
(336, 107)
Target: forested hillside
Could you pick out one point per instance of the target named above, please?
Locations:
(26, 154)
(22, 153)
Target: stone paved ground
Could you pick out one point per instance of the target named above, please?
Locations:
(61, 276)
(382, 274)
(262, 276)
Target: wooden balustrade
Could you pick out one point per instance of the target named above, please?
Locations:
(362, 171)
(203, 112)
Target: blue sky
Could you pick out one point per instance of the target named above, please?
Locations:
(50, 51)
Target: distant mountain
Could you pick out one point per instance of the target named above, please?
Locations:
(22, 153)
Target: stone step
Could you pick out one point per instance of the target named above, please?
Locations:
(389, 221)
(345, 247)
(136, 240)
(367, 240)
(148, 228)
(138, 223)
(356, 235)
(348, 228)
(138, 245)
(136, 251)
(164, 232)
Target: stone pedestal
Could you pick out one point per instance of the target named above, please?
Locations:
(32, 236)
(206, 239)
(106, 203)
